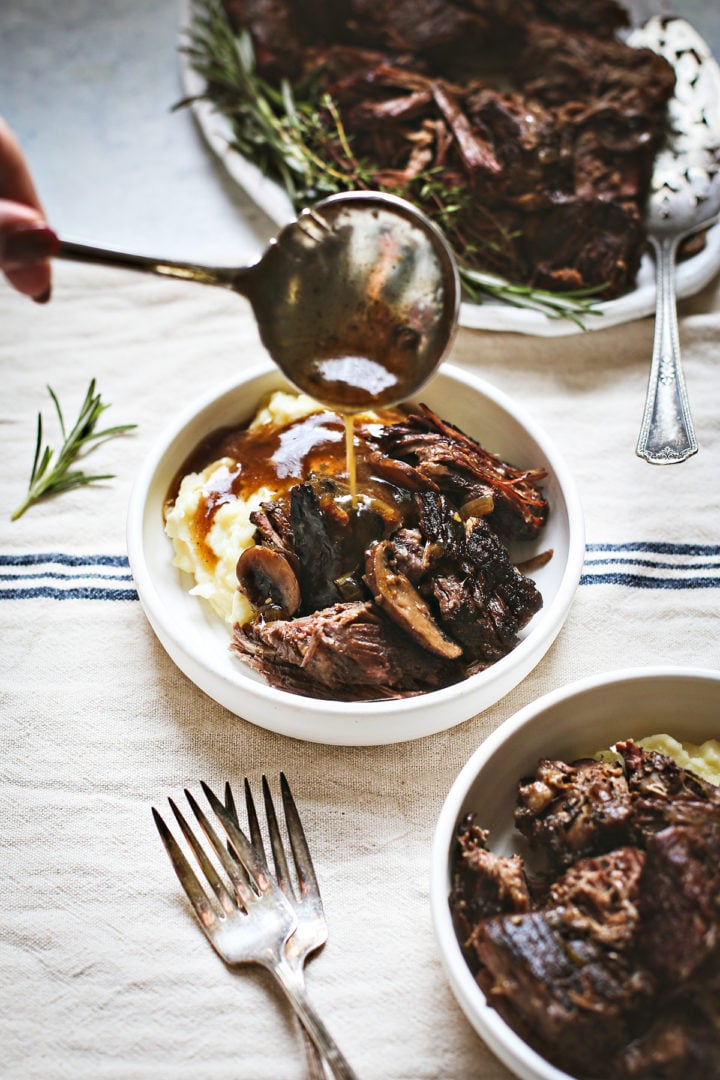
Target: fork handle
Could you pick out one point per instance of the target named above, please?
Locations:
(321, 1037)
(666, 433)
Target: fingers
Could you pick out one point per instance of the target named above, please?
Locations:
(15, 181)
(26, 242)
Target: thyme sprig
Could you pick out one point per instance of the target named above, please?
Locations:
(52, 473)
(295, 135)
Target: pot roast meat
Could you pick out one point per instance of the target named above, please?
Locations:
(329, 543)
(665, 794)
(600, 16)
(599, 897)
(569, 811)
(557, 67)
(526, 140)
(682, 1044)
(460, 467)
(484, 885)
(344, 652)
(442, 528)
(476, 154)
(611, 970)
(315, 547)
(562, 974)
(578, 237)
(436, 29)
(681, 928)
(528, 107)
(276, 35)
(403, 590)
(482, 600)
(274, 530)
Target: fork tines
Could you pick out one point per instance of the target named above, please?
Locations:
(304, 869)
(244, 867)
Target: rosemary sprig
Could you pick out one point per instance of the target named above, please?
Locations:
(296, 136)
(573, 305)
(52, 474)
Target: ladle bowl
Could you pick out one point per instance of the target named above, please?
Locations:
(356, 300)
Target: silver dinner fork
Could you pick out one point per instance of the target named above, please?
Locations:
(247, 917)
(311, 931)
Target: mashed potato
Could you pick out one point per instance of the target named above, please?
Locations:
(704, 760)
(212, 558)
(231, 532)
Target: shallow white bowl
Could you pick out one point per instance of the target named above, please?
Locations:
(569, 723)
(198, 642)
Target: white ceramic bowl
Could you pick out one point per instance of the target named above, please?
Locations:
(198, 642)
(576, 720)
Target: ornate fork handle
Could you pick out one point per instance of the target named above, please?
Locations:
(666, 434)
(293, 985)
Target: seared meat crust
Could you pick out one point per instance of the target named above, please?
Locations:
(607, 963)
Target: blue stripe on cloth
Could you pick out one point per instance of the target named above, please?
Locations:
(29, 577)
(659, 548)
(55, 576)
(655, 563)
(639, 572)
(644, 571)
(63, 559)
(84, 592)
(639, 581)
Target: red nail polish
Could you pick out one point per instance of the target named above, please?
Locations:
(44, 296)
(25, 244)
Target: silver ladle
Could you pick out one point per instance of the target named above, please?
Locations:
(684, 198)
(356, 301)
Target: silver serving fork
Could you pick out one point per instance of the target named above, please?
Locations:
(311, 931)
(247, 919)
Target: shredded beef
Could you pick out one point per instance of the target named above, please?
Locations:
(342, 652)
(606, 960)
(536, 110)
(569, 811)
(401, 593)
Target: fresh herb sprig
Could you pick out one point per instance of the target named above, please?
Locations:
(573, 305)
(52, 473)
(295, 135)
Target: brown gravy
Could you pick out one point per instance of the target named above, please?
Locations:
(278, 457)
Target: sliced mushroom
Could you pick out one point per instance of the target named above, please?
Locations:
(399, 599)
(529, 566)
(268, 581)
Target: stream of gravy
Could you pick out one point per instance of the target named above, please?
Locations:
(322, 443)
(350, 458)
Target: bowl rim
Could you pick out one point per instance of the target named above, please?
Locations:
(506, 1044)
(550, 618)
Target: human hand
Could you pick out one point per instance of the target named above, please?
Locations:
(26, 241)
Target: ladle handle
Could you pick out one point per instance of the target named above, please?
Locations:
(226, 277)
(666, 434)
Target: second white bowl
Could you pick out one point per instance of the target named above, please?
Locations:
(573, 722)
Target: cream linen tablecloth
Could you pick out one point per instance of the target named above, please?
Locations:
(103, 970)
